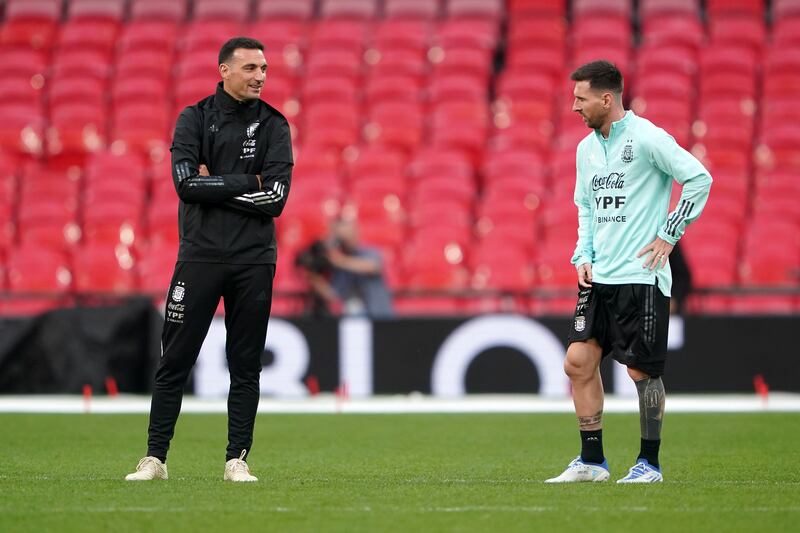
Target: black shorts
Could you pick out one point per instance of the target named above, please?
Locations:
(630, 322)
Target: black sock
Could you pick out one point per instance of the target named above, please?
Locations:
(592, 446)
(649, 451)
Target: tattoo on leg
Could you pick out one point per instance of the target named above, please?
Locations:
(584, 421)
(651, 407)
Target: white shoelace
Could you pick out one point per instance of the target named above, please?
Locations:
(239, 465)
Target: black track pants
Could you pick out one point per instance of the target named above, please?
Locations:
(192, 300)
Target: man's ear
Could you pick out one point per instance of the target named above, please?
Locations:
(224, 70)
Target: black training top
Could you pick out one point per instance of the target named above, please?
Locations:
(224, 217)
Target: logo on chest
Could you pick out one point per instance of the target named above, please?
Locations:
(249, 144)
(627, 152)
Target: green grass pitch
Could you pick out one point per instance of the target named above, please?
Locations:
(455, 472)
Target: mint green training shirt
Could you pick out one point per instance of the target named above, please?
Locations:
(622, 192)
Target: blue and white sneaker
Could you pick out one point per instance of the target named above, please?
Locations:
(642, 472)
(580, 472)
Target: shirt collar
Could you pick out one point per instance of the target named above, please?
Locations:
(226, 101)
(617, 126)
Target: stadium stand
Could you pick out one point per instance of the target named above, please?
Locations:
(444, 126)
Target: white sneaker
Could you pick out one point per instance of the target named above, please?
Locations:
(580, 472)
(643, 472)
(147, 469)
(237, 470)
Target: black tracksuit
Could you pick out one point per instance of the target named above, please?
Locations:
(227, 249)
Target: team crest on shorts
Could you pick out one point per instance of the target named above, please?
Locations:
(580, 323)
(178, 292)
(627, 153)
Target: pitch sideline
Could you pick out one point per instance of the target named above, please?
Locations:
(331, 404)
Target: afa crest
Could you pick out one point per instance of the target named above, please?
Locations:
(627, 153)
(178, 293)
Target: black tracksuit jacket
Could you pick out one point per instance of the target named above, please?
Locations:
(225, 217)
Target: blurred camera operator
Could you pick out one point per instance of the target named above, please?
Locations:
(345, 277)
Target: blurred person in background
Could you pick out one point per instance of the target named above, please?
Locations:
(346, 276)
(232, 167)
(681, 280)
(625, 169)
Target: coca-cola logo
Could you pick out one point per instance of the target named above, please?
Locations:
(612, 181)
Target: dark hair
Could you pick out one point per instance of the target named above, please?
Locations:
(602, 75)
(226, 52)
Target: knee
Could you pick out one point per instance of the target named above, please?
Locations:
(636, 374)
(578, 370)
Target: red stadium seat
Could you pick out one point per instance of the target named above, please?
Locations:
(500, 267)
(412, 9)
(649, 9)
(723, 58)
(349, 9)
(457, 88)
(23, 63)
(717, 8)
(138, 91)
(330, 88)
(738, 31)
(207, 36)
(476, 34)
(21, 91)
(334, 62)
(479, 9)
(236, 10)
(41, 279)
(285, 9)
(786, 29)
(109, 10)
(158, 10)
(48, 223)
(402, 34)
(513, 164)
(544, 61)
(34, 34)
(538, 7)
(673, 30)
(156, 267)
(82, 63)
(22, 129)
(434, 266)
(654, 60)
(339, 34)
(376, 162)
(143, 127)
(154, 36)
(544, 32)
(110, 165)
(716, 85)
(435, 189)
(145, 64)
(98, 36)
(388, 89)
(115, 220)
(395, 125)
(104, 269)
(46, 10)
(398, 62)
(466, 62)
(587, 8)
(591, 31)
(77, 129)
(430, 163)
(331, 125)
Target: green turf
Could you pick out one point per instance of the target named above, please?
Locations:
(730, 472)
